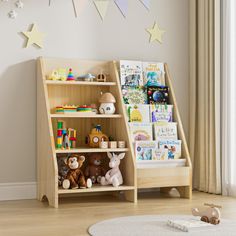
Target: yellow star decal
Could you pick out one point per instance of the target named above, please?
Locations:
(34, 37)
(155, 33)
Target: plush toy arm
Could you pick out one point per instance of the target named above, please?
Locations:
(103, 172)
(107, 176)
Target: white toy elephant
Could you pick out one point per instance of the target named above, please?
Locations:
(113, 176)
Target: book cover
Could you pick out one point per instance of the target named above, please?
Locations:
(141, 131)
(161, 112)
(144, 150)
(187, 225)
(158, 94)
(159, 154)
(173, 147)
(134, 95)
(131, 73)
(153, 74)
(165, 131)
(138, 113)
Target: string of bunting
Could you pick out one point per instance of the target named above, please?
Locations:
(102, 6)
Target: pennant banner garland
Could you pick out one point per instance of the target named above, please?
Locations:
(102, 6)
(146, 3)
(123, 6)
(79, 6)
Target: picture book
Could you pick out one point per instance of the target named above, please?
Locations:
(141, 131)
(131, 73)
(144, 150)
(159, 154)
(188, 225)
(138, 113)
(173, 147)
(161, 112)
(158, 94)
(165, 131)
(134, 95)
(153, 74)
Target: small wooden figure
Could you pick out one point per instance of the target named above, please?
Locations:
(101, 78)
(107, 101)
(210, 215)
(96, 136)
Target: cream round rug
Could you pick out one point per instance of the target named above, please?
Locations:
(151, 225)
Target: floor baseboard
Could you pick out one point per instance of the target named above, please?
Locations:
(17, 191)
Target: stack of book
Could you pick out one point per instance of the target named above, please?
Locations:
(150, 116)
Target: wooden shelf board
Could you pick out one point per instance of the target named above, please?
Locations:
(55, 82)
(87, 150)
(96, 188)
(84, 115)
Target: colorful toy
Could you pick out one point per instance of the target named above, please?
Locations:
(94, 170)
(96, 136)
(107, 106)
(70, 76)
(210, 215)
(58, 74)
(112, 144)
(60, 109)
(87, 77)
(70, 108)
(75, 177)
(84, 108)
(113, 176)
(65, 139)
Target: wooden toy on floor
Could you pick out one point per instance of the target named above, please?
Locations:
(107, 101)
(210, 215)
(113, 176)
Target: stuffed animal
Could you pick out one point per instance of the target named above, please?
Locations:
(75, 177)
(113, 176)
(94, 170)
(62, 168)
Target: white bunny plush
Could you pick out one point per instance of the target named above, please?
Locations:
(113, 176)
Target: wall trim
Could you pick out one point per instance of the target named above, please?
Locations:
(18, 191)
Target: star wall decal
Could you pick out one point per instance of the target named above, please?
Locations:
(155, 33)
(34, 37)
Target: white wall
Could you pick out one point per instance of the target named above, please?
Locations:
(86, 38)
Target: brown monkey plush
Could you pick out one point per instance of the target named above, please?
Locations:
(75, 177)
(94, 170)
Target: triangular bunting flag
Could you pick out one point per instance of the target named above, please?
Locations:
(102, 6)
(79, 6)
(123, 6)
(146, 3)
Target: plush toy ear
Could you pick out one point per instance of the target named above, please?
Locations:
(109, 155)
(121, 156)
(82, 158)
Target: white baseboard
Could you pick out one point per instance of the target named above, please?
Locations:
(17, 191)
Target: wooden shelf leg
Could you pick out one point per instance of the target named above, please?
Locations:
(131, 195)
(185, 191)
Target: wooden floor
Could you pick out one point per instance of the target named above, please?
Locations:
(75, 215)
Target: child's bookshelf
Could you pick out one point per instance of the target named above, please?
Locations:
(165, 173)
(51, 94)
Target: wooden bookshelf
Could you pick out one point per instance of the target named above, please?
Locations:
(54, 93)
(166, 177)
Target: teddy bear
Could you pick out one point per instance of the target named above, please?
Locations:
(75, 177)
(94, 170)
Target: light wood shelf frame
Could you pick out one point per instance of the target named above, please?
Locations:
(53, 93)
(167, 178)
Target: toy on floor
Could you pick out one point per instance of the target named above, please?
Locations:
(87, 77)
(210, 215)
(58, 74)
(75, 177)
(107, 106)
(70, 76)
(113, 176)
(96, 136)
(94, 170)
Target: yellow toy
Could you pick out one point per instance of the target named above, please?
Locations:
(96, 136)
(59, 74)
